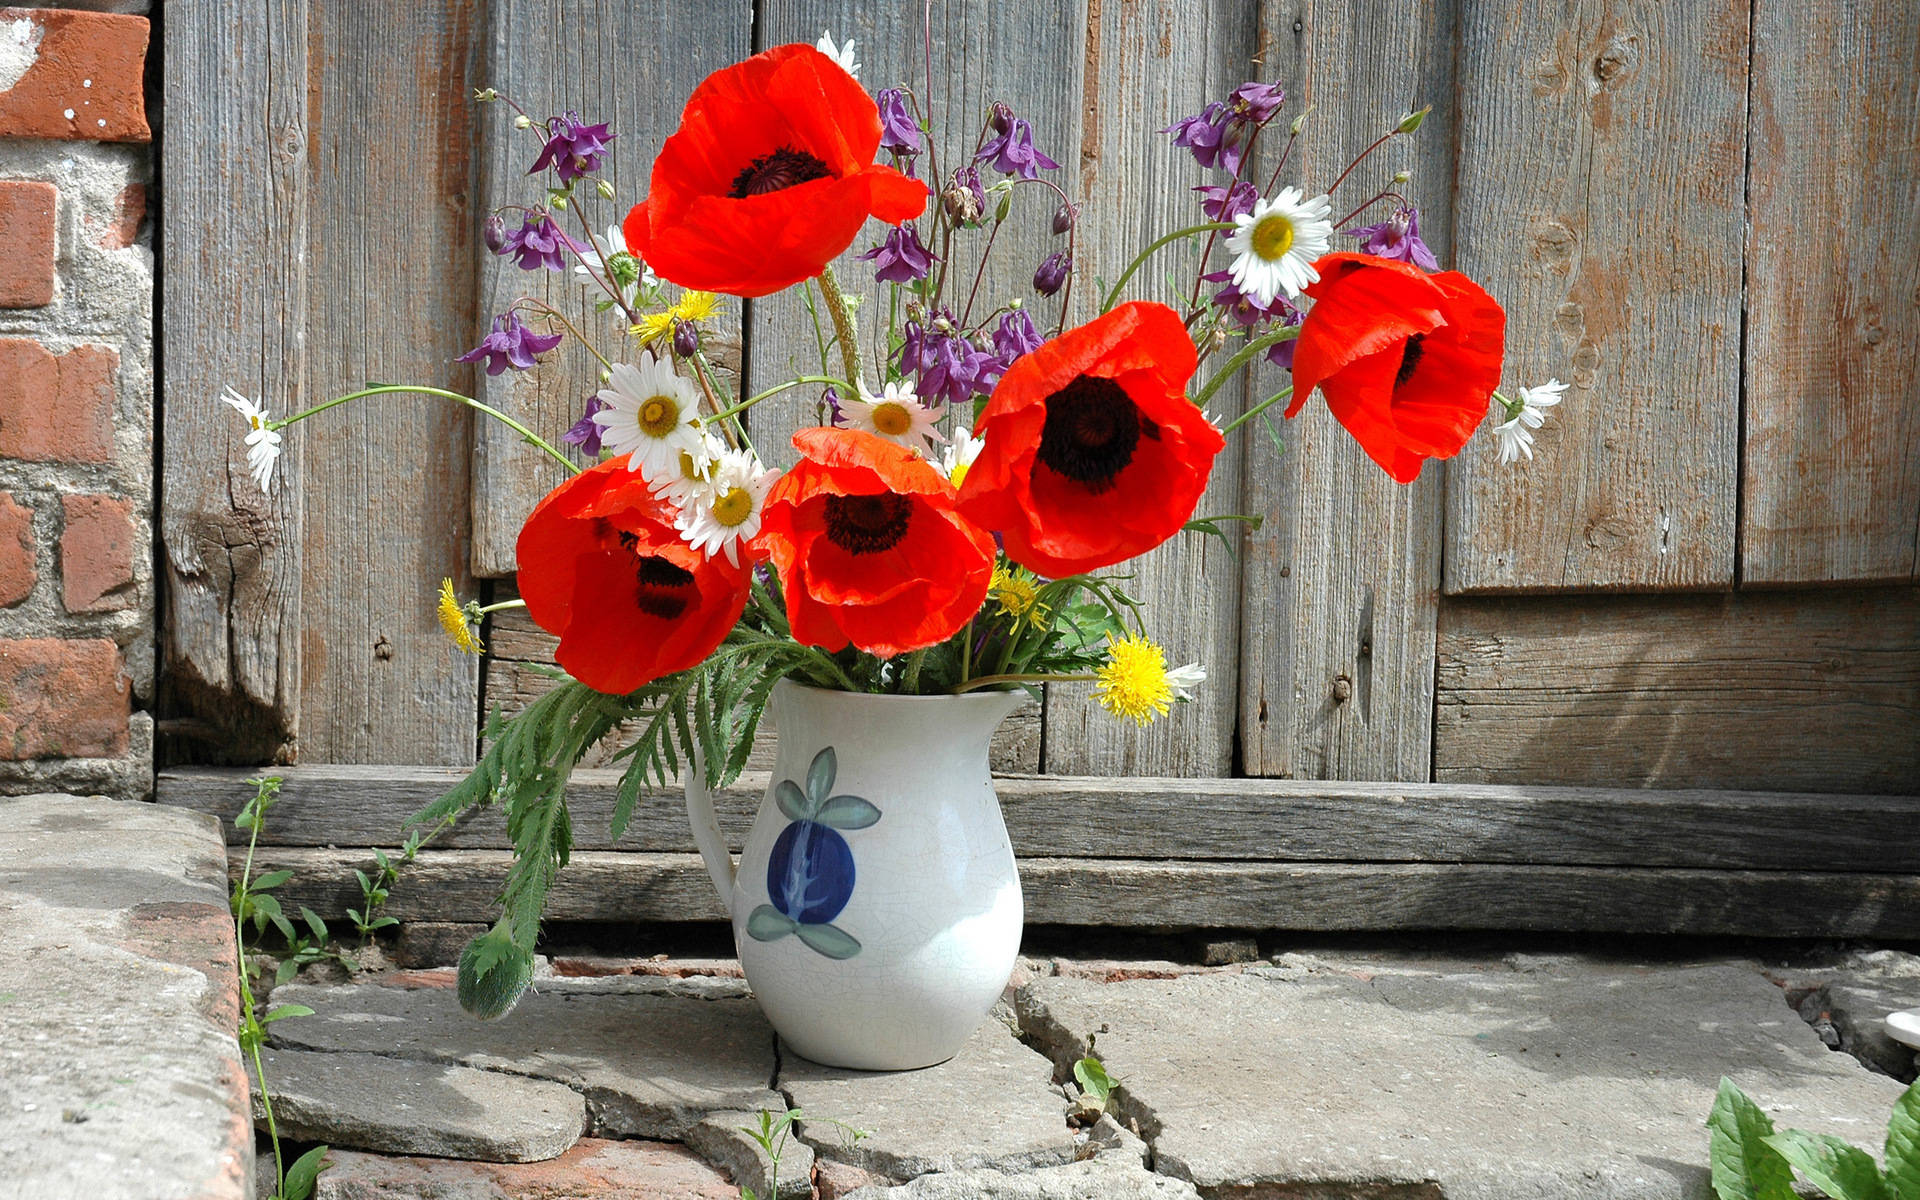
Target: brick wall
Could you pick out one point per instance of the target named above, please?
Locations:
(76, 401)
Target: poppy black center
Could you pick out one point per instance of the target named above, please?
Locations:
(867, 524)
(784, 168)
(1409, 359)
(1092, 430)
(659, 585)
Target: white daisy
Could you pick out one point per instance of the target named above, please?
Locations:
(896, 414)
(694, 476)
(650, 414)
(263, 444)
(840, 54)
(1525, 415)
(593, 265)
(960, 454)
(727, 511)
(1184, 679)
(1274, 246)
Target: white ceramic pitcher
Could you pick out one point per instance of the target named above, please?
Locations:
(876, 908)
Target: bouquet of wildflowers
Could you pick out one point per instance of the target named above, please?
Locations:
(954, 521)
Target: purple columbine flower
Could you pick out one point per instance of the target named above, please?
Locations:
(686, 339)
(898, 132)
(964, 198)
(1219, 133)
(1200, 133)
(1052, 274)
(510, 344)
(1015, 337)
(1222, 203)
(900, 258)
(1280, 354)
(539, 243)
(1397, 237)
(584, 433)
(1245, 311)
(944, 364)
(831, 400)
(1013, 152)
(574, 149)
(494, 233)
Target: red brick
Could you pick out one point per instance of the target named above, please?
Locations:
(593, 1168)
(26, 241)
(96, 553)
(17, 570)
(62, 699)
(56, 409)
(87, 78)
(123, 225)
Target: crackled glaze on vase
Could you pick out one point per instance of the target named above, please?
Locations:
(876, 907)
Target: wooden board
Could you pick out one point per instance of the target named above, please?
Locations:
(461, 885)
(1147, 65)
(1599, 198)
(1225, 819)
(1813, 691)
(230, 612)
(1831, 485)
(1342, 582)
(390, 299)
(627, 64)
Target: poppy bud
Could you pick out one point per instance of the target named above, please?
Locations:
(494, 233)
(1002, 117)
(686, 339)
(1412, 120)
(1052, 274)
(1065, 216)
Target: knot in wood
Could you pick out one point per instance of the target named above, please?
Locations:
(1342, 689)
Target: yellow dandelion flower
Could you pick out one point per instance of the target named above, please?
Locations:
(1133, 682)
(696, 306)
(652, 328)
(454, 619)
(1018, 593)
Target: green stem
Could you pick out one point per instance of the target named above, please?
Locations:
(247, 1019)
(845, 387)
(1140, 260)
(561, 317)
(1043, 677)
(503, 605)
(842, 324)
(392, 389)
(1241, 359)
(1249, 415)
(910, 680)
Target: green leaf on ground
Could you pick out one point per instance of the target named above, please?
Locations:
(1842, 1171)
(1744, 1166)
(1903, 1146)
(1093, 1079)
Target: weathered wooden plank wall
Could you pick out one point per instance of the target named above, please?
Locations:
(1831, 488)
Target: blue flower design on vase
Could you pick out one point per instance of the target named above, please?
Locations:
(810, 871)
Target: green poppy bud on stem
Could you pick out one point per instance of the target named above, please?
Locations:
(1412, 120)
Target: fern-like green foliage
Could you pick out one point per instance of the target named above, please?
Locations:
(1752, 1162)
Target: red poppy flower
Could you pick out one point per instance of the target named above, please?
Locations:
(602, 566)
(1093, 452)
(869, 547)
(768, 178)
(1406, 360)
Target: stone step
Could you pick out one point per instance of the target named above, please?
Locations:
(120, 1078)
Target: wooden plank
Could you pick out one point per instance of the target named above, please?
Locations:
(1810, 691)
(230, 615)
(1341, 584)
(1600, 200)
(1228, 819)
(1147, 65)
(1832, 467)
(386, 497)
(633, 66)
(462, 885)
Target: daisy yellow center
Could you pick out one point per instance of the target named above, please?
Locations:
(691, 469)
(1272, 237)
(892, 419)
(1133, 682)
(659, 415)
(959, 474)
(733, 506)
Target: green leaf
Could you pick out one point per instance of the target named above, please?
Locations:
(1842, 1171)
(848, 812)
(285, 971)
(829, 940)
(314, 922)
(769, 924)
(283, 1011)
(1744, 1166)
(1092, 1077)
(820, 775)
(793, 803)
(304, 1172)
(385, 923)
(1903, 1146)
(269, 881)
(366, 884)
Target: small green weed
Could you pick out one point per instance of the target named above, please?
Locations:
(772, 1134)
(1752, 1162)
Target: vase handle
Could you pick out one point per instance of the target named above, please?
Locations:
(706, 831)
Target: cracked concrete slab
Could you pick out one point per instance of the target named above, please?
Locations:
(992, 1105)
(651, 1061)
(722, 1140)
(1518, 1080)
(119, 1072)
(591, 1170)
(1115, 1175)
